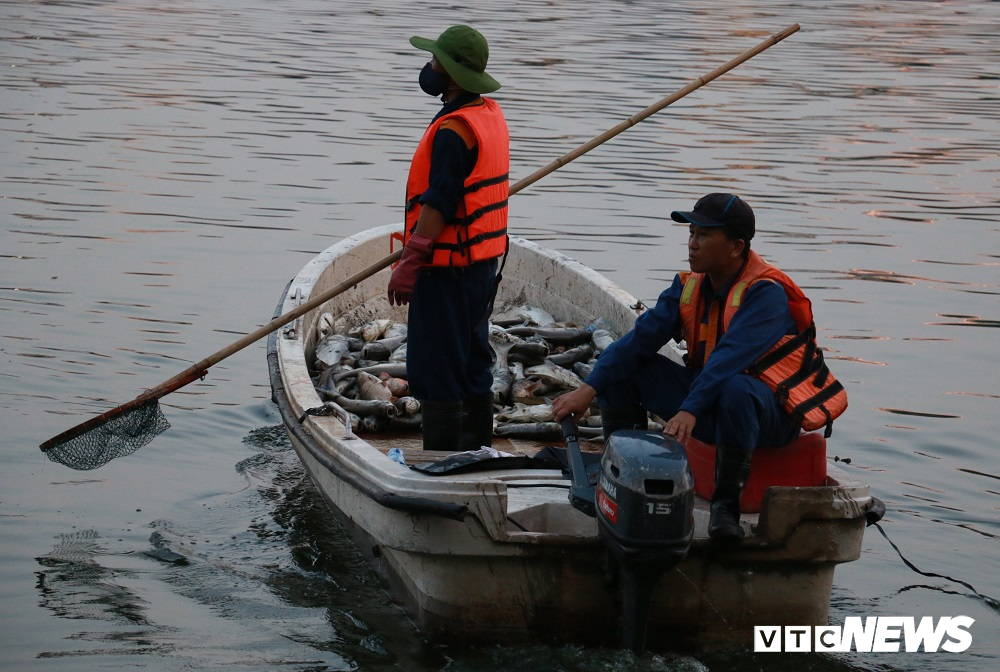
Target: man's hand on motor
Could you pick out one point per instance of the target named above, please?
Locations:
(680, 426)
(575, 403)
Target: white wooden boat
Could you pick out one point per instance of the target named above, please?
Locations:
(501, 556)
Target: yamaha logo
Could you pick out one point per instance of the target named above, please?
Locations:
(609, 487)
(607, 506)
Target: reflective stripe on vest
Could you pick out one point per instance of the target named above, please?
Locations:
(794, 367)
(479, 228)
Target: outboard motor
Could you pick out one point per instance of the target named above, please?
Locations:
(644, 505)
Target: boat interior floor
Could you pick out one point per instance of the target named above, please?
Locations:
(412, 446)
(529, 509)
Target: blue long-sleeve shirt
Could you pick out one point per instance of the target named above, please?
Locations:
(762, 319)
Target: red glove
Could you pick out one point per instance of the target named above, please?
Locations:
(404, 277)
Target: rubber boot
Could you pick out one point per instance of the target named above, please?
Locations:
(731, 470)
(613, 419)
(477, 422)
(442, 425)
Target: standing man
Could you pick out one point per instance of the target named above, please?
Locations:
(734, 310)
(455, 230)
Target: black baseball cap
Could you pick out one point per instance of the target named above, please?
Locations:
(720, 210)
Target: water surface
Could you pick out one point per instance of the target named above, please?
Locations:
(166, 168)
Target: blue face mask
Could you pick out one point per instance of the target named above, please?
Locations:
(433, 83)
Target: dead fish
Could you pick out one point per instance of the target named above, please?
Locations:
(407, 406)
(556, 375)
(583, 369)
(362, 407)
(502, 381)
(395, 329)
(602, 339)
(540, 430)
(506, 320)
(526, 413)
(568, 358)
(374, 423)
(524, 389)
(522, 315)
(529, 430)
(331, 350)
(347, 387)
(382, 349)
(376, 351)
(394, 369)
(371, 330)
(546, 388)
(398, 386)
(528, 391)
(333, 378)
(399, 354)
(528, 352)
(325, 326)
(327, 374)
(535, 316)
(502, 338)
(166, 555)
(408, 422)
(371, 387)
(560, 335)
(501, 342)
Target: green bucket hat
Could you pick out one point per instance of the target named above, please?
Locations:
(463, 53)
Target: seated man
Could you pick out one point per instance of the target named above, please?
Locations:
(731, 309)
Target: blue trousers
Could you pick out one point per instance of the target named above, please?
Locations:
(747, 416)
(448, 353)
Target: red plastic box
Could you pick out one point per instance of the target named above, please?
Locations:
(801, 462)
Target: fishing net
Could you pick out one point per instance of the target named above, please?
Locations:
(121, 435)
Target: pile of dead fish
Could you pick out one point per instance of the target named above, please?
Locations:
(362, 369)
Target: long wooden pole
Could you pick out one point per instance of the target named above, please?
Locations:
(200, 369)
(653, 109)
(197, 371)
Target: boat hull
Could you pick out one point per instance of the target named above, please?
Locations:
(501, 556)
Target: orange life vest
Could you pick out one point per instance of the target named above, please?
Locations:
(479, 228)
(794, 367)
